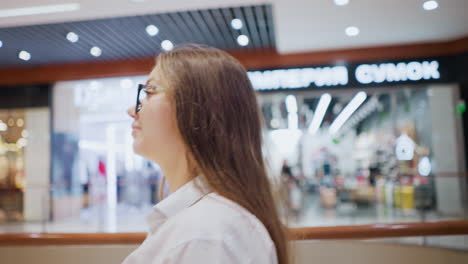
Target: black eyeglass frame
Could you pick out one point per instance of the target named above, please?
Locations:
(138, 103)
(149, 89)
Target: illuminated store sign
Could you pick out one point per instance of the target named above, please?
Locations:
(362, 74)
(299, 78)
(391, 72)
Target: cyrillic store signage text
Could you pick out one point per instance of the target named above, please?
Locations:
(362, 74)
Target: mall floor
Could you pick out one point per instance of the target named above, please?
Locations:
(127, 218)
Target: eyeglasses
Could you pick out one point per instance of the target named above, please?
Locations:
(147, 89)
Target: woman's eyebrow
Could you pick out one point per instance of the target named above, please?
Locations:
(152, 82)
(149, 81)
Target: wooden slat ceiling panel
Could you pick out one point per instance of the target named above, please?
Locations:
(126, 38)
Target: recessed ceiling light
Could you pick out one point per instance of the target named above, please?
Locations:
(167, 45)
(37, 10)
(236, 24)
(1, 43)
(341, 2)
(152, 30)
(24, 55)
(352, 31)
(430, 5)
(72, 37)
(95, 51)
(243, 40)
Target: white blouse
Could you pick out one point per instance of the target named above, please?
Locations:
(191, 226)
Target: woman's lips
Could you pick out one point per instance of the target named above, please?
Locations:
(135, 129)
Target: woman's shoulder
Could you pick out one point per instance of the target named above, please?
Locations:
(216, 220)
(217, 217)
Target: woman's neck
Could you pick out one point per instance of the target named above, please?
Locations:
(176, 174)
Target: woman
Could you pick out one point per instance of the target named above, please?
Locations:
(200, 122)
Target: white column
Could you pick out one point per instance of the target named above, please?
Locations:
(66, 120)
(447, 146)
(37, 165)
(111, 179)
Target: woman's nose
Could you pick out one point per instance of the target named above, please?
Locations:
(131, 112)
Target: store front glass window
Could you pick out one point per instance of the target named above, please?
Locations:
(96, 175)
(341, 157)
(360, 157)
(13, 139)
(24, 173)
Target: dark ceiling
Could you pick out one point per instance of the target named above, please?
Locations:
(126, 37)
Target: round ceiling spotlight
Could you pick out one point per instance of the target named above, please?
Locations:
(24, 55)
(95, 51)
(430, 5)
(152, 30)
(167, 45)
(341, 2)
(243, 40)
(236, 24)
(352, 31)
(72, 37)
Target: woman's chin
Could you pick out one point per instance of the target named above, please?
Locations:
(141, 150)
(137, 147)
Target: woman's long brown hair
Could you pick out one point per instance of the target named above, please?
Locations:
(219, 120)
